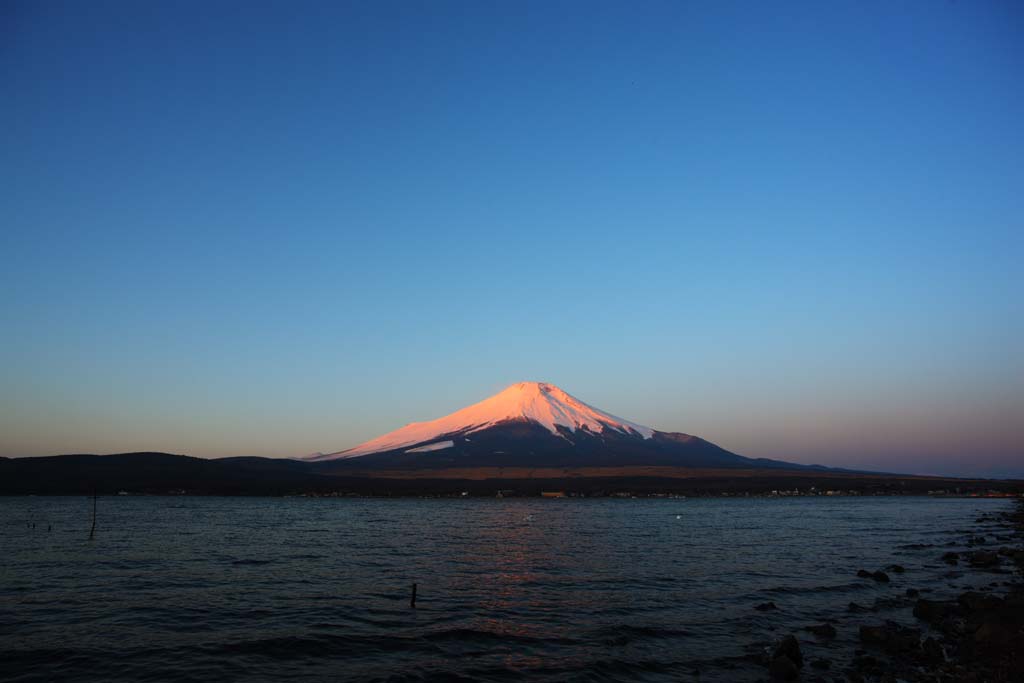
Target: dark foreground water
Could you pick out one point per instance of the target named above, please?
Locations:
(271, 589)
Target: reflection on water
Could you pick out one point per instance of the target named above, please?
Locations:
(270, 589)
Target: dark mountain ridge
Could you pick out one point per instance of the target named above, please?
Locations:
(165, 473)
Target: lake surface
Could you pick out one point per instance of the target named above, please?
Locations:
(208, 589)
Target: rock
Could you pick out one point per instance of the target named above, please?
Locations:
(873, 635)
(823, 630)
(931, 652)
(854, 607)
(789, 647)
(994, 635)
(863, 573)
(981, 558)
(891, 637)
(821, 664)
(896, 568)
(765, 606)
(974, 601)
(951, 558)
(904, 639)
(934, 611)
(867, 664)
(1015, 602)
(783, 669)
(881, 577)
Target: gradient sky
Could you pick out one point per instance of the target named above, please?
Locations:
(795, 229)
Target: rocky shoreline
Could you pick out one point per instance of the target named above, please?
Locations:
(975, 638)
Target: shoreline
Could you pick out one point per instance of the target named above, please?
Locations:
(971, 636)
(164, 473)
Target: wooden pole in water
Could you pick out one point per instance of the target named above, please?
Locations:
(412, 601)
(92, 532)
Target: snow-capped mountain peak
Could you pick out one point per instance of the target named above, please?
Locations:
(539, 402)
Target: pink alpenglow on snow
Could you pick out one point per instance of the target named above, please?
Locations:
(539, 402)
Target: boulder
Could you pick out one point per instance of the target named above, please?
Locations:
(863, 573)
(823, 630)
(951, 558)
(1015, 601)
(934, 611)
(866, 664)
(931, 652)
(783, 669)
(881, 577)
(994, 635)
(789, 647)
(975, 601)
(982, 558)
(873, 635)
(766, 606)
(891, 637)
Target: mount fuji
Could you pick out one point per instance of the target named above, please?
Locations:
(531, 438)
(536, 424)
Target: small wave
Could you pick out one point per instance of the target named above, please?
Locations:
(447, 676)
(801, 590)
(616, 669)
(349, 619)
(301, 647)
(471, 635)
(28, 659)
(623, 634)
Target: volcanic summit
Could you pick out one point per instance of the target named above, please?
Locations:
(537, 424)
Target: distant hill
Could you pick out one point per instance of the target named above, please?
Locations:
(154, 473)
(165, 473)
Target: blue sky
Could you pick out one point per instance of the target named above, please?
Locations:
(794, 229)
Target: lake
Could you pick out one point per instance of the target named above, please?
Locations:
(208, 589)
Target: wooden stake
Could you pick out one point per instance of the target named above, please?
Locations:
(92, 532)
(412, 601)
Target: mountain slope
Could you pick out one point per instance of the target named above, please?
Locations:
(535, 424)
(538, 402)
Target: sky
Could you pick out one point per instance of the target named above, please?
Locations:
(794, 229)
